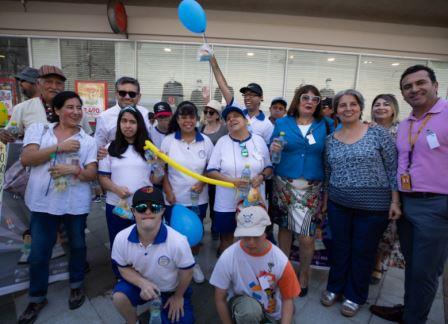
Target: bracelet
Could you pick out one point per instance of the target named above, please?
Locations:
(396, 203)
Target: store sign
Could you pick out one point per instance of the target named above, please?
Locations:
(118, 19)
(94, 98)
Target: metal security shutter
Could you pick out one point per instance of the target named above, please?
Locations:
(243, 65)
(89, 60)
(171, 72)
(45, 52)
(382, 75)
(315, 68)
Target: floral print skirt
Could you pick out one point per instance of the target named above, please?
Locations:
(295, 202)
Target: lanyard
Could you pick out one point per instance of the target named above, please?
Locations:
(413, 140)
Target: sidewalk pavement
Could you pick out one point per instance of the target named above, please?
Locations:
(98, 307)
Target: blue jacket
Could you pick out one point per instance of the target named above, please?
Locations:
(299, 158)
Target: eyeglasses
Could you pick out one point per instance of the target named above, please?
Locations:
(244, 151)
(131, 94)
(313, 99)
(154, 208)
(210, 112)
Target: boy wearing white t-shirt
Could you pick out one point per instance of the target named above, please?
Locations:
(154, 261)
(254, 281)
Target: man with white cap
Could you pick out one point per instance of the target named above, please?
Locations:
(254, 281)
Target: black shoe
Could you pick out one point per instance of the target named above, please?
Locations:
(77, 298)
(303, 292)
(31, 312)
(393, 314)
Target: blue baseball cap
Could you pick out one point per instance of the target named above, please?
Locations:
(229, 109)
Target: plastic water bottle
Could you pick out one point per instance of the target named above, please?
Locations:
(72, 159)
(277, 156)
(155, 306)
(158, 169)
(13, 129)
(245, 175)
(149, 156)
(194, 197)
(122, 210)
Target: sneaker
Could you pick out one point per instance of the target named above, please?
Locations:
(96, 199)
(77, 298)
(58, 251)
(349, 308)
(31, 312)
(198, 275)
(328, 298)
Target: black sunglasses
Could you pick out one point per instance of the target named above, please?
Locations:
(210, 112)
(132, 94)
(154, 208)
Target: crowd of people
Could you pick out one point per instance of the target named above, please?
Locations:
(381, 184)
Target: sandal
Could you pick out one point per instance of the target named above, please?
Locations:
(377, 275)
(31, 312)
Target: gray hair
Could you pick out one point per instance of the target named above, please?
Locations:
(349, 92)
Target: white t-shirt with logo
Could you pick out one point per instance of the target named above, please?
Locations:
(194, 156)
(131, 171)
(160, 261)
(268, 277)
(228, 160)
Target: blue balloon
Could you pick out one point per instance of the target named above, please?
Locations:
(187, 223)
(192, 16)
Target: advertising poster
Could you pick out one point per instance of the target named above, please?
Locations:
(15, 237)
(8, 98)
(94, 98)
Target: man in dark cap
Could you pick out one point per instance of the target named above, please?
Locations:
(27, 80)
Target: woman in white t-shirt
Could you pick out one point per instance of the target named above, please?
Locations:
(187, 146)
(230, 155)
(124, 169)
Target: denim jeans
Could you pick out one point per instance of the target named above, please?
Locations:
(44, 228)
(356, 234)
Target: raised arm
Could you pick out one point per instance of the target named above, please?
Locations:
(220, 80)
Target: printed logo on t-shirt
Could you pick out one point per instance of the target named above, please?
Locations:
(163, 260)
(202, 154)
(264, 290)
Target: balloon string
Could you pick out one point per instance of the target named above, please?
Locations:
(204, 38)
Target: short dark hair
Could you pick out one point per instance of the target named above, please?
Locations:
(416, 68)
(59, 101)
(293, 109)
(125, 80)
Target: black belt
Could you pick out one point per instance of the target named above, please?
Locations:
(422, 194)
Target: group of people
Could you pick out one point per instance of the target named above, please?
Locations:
(378, 183)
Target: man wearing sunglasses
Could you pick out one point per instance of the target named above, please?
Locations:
(253, 96)
(127, 93)
(154, 261)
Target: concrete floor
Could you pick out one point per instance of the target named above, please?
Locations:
(99, 283)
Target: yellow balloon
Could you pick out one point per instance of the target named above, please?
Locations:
(178, 167)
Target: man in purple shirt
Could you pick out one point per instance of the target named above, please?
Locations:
(422, 143)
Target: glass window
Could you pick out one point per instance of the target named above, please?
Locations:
(329, 72)
(171, 72)
(13, 56)
(89, 60)
(45, 52)
(382, 75)
(243, 65)
(125, 59)
(441, 70)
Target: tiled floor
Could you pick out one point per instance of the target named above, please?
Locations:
(99, 282)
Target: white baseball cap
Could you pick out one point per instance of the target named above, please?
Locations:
(251, 221)
(216, 105)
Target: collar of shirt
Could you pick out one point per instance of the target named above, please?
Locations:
(160, 237)
(198, 137)
(260, 115)
(159, 131)
(437, 108)
(81, 132)
(244, 140)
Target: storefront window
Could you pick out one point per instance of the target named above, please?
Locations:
(329, 72)
(243, 65)
(382, 75)
(13, 56)
(45, 51)
(441, 70)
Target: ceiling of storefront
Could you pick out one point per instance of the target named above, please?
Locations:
(415, 12)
